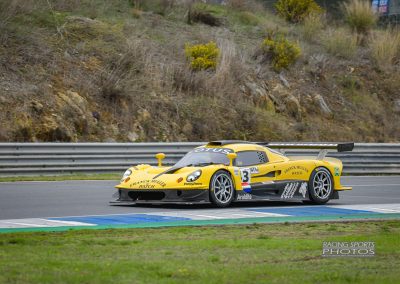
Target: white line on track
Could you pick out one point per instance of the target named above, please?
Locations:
(378, 208)
(65, 223)
(218, 214)
(244, 215)
(390, 210)
(274, 214)
(23, 224)
(208, 216)
(39, 222)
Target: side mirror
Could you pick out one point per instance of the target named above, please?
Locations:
(160, 157)
(231, 157)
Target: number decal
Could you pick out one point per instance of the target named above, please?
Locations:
(246, 175)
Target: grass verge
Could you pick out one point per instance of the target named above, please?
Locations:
(110, 176)
(224, 254)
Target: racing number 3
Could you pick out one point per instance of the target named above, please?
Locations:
(246, 175)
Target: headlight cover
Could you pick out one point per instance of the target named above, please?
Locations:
(126, 174)
(193, 176)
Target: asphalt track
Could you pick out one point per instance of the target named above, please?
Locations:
(77, 198)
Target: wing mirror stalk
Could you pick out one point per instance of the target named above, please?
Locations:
(160, 157)
(231, 157)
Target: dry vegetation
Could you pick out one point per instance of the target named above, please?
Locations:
(117, 71)
(359, 15)
(340, 42)
(385, 49)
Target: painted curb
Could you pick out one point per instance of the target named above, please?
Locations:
(241, 221)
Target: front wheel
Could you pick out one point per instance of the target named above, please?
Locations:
(320, 186)
(222, 190)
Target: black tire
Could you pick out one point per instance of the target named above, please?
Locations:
(222, 189)
(320, 186)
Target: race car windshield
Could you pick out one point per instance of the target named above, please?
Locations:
(193, 159)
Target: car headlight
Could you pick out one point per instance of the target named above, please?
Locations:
(194, 176)
(126, 174)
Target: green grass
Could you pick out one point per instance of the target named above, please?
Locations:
(111, 176)
(288, 253)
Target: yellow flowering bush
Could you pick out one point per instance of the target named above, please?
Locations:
(282, 52)
(202, 56)
(295, 11)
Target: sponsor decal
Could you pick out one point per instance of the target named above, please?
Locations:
(192, 183)
(268, 182)
(254, 170)
(337, 172)
(246, 178)
(296, 170)
(236, 171)
(148, 184)
(246, 188)
(289, 190)
(303, 189)
(244, 196)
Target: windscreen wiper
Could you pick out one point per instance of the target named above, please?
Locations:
(169, 171)
(174, 169)
(203, 164)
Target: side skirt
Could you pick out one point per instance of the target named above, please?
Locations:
(287, 190)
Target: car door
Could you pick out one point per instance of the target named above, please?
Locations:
(256, 171)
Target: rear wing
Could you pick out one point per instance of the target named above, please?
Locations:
(323, 147)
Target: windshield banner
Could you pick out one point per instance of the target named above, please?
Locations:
(212, 150)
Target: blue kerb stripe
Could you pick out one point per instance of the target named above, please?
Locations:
(312, 211)
(121, 219)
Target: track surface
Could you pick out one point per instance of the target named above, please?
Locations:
(74, 198)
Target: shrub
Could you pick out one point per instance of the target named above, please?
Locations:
(340, 42)
(248, 18)
(202, 56)
(359, 15)
(295, 11)
(136, 13)
(9, 9)
(312, 25)
(157, 6)
(282, 52)
(384, 48)
(253, 6)
(205, 18)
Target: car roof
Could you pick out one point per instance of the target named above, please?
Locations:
(235, 145)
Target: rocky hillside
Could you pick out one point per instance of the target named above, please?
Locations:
(117, 71)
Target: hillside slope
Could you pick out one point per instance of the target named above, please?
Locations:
(112, 71)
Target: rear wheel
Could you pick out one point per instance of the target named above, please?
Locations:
(320, 186)
(222, 190)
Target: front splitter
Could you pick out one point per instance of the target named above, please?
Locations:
(155, 202)
(167, 196)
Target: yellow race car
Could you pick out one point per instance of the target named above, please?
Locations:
(223, 172)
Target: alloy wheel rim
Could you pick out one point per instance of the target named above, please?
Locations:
(322, 184)
(223, 188)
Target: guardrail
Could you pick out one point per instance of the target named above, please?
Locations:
(19, 159)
